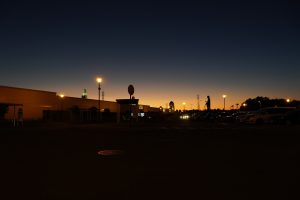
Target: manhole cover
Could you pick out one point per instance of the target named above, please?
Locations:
(109, 152)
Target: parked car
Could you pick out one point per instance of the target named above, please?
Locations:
(292, 117)
(244, 116)
(271, 115)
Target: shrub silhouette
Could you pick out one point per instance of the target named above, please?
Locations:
(3, 110)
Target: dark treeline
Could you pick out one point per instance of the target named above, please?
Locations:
(263, 102)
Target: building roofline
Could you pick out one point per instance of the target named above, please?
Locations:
(19, 88)
(88, 99)
(56, 93)
(11, 104)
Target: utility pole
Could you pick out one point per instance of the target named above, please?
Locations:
(198, 101)
(99, 80)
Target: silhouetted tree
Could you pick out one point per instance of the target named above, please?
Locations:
(294, 103)
(3, 110)
(94, 113)
(93, 109)
(263, 102)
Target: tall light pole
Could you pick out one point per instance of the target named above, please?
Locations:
(183, 106)
(224, 97)
(198, 101)
(99, 80)
(61, 101)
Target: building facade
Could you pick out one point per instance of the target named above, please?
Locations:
(34, 102)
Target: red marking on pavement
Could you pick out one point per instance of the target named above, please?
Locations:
(109, 152)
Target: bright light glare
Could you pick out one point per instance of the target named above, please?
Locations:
(99, 80)
(61, 95)
(184, 117)
(224, 96)
(288, 100)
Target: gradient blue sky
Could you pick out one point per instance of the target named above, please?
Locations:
(168, 50)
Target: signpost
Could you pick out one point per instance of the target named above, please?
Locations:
(131, 92)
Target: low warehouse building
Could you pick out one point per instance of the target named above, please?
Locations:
(34, 103)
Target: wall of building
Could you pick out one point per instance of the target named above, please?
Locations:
(36, 101)
(69, 102)
(154, 109)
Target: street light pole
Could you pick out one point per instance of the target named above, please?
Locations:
(183, 106)
(99, 80)
(198, 101)
(224, 97)
(61, 101)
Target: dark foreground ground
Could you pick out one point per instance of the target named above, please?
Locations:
(155, 161)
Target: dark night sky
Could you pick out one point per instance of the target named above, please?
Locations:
(167, 50)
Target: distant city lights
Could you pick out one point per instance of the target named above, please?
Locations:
(185, 117)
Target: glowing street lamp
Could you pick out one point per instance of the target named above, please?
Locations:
(224, 97)
(183, 103)
(244, 104)
(61, 102)
(99, 80)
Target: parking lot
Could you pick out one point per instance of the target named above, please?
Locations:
(184, 160)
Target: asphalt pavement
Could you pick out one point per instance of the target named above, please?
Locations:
(150, 161)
